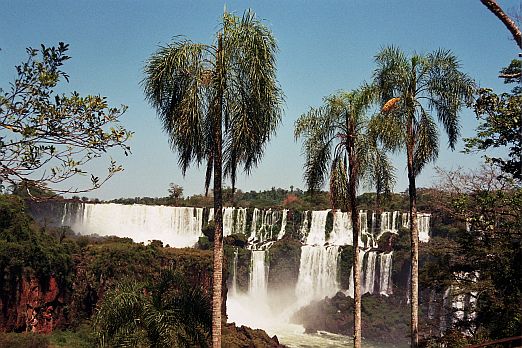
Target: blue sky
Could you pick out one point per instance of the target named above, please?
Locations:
(324, 46)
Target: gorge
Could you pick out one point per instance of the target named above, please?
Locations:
(279, 260)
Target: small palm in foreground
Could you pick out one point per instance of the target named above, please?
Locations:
(169, 313)
(411, 90)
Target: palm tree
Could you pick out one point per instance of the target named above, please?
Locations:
(219, 104)
(166, 313)
(411, 89)
(336, 141)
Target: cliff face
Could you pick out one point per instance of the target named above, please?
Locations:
(42, 305)
(33, 307)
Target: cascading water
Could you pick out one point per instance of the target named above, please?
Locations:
(342, 231)
(370, 239)
(317, 273)
(283, 224)
(316, 236)
(258, 275)
(368, 283)
(389, 222)
(303, 231)
(234, 272)
(424, 227)
(368, 265)
(385, 267)
(350, 292)
(262, 227)
(318, 270)
(228, 221)
(176, 226)
(241, 221)
(210, 214)
(423, 222)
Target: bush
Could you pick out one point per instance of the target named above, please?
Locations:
(23, 340)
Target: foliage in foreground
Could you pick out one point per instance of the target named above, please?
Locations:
(47, 138)
(484, 257)
(165, 313)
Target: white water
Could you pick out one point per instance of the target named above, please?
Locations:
(363, 223)
(318, 270)
(234, 272)
(303, 231)
(368, 283)
(424, 227)
(262, 227)
(176, 226)
(369, 271)
(385, 267)
(317, 273)
(316, 235)
(228, 221)
(389, 222)
(350, 291)
(283, 224)
(258, 275)
(342, 231)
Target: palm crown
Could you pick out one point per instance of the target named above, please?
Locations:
(327, 132)
(410, 91)
(184, 80)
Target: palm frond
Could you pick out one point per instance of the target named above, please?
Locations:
(176, 85)
(449, 90)
(317, 128)
(252, 97)
(390, 76)
(427, 142)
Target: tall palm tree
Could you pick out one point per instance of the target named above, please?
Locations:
(336, 142)
(165, 313)
(411, 89)
(219, 104)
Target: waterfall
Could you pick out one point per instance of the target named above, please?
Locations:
(342, 231)
(253, 227)
(385, 267)
(374, 224)
(424, 227)
(176, 226)
(303, 231)
(316, 236)
(368, 282)
(228, 221)
(459, 304)
(241, 220)
(405, 220)
(363, 228)
(283, 224)
(369, 271)
(258, 275)
(263, 222)
(234, 272)
(210, 215)
(317, 273)
(423, 224)
(350, 291)
(389, 222)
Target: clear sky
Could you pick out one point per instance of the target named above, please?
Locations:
(324, 46)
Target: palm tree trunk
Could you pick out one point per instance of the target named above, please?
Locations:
(218, 208)
(414, 234)
(352, 188)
